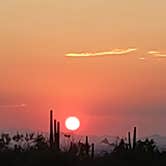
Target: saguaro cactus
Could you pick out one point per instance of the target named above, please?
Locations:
(58, 136)
(92, 151)
(55, 131)
(87, 146)
(51, 129)
(129, 140)
(134, 138)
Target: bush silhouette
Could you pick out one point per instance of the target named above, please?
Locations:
(34, 150)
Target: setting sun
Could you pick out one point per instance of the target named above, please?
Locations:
(72, 123)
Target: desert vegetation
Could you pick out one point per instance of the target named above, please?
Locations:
(30, 149)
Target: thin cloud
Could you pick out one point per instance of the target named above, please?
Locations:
(161, 55)
(142, 58)
(157, 54)
(112, 52)
(153, 52)
(13, 106)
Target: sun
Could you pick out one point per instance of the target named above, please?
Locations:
(72, 123)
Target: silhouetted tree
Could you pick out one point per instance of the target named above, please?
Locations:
(146, 146)
(4, 141)
(41, 142)
(121, 147)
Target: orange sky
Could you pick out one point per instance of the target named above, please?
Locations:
(111, 88)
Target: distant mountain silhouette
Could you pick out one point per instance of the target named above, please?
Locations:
(104, 142)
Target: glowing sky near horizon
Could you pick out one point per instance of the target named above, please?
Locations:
(115, 80)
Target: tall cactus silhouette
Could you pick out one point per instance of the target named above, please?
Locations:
(92, 151)
(51, 129)
(129, 140)
(134, 138)
(54, 133)
(58, 136)
(87, 146)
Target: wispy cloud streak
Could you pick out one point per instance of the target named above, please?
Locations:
(112, 52)
(157, 54)
(13, 106)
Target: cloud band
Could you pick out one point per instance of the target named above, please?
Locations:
(112, 52)
(157, 54)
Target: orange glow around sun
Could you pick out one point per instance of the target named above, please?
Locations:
(72, 123)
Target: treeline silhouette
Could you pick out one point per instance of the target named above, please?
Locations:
(34, 150)
(30, 149)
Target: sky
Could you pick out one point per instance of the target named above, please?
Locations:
(103, 61)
